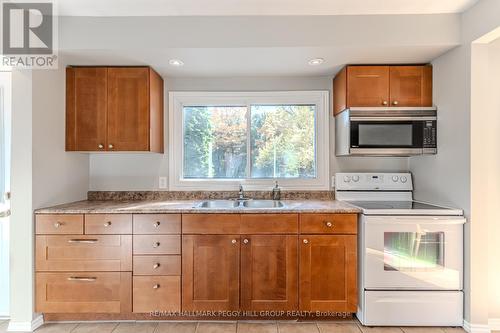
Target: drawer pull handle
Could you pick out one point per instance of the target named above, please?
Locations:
(78, 240)
(107, 224)
(329, 224)
(156, 224)
(305, 241)
(82, 278)
(58, 224)
(157, 244)
(245, 241)
(233, 241)
(155, 266)
(156, 286)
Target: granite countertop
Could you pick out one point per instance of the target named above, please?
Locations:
(190, 206)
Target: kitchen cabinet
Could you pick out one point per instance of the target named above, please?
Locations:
(269, 272)
(328, 280)
(382, 86)
(210, 272)
(114, 109)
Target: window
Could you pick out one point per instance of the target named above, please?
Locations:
(219, 140)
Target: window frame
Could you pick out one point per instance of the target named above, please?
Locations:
(179, 99)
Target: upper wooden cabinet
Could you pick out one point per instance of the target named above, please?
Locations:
(382, 86)
(114, 109)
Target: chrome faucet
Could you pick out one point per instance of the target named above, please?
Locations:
(276, 192)
(241, 194)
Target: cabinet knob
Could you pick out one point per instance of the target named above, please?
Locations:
(110, 146)
(395, 102)
(101, 146)
(155, 245)
(305, 241)
(156, 224)
(233, 241)
(107, 224)
(155, 266)
(329, 224)
(57, 224)
(245, 241)
(385, 103)
(156, 286)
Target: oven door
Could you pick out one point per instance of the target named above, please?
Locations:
(371, 135)
(412, 252)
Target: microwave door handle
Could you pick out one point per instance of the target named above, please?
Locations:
(392, 118)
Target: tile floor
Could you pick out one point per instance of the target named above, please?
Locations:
(348, 326)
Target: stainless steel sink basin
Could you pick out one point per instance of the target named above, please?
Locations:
(219, 204)
(262, 204)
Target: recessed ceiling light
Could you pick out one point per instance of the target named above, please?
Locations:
(316, 61)
(176, 62)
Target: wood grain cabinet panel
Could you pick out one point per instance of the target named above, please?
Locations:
(328, 223)
(157, 244)
(211, 223)
(269, 272)
(86, 108)
(83, 253)
(210, 272)
(328, 273)
(59, 224)
(157, 265)
(156, 293)
(84, 292)
(269, 223)
(411, 86)
(157, 224)
(108, 224)
(367, 86)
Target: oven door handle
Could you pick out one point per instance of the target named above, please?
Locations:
(403, 118)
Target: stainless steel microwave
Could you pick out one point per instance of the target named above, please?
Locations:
(391, 131)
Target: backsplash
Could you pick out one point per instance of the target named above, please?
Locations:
(200, 195)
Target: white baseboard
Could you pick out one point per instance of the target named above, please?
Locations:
(28, 326)
(494, 324)
(476, 328)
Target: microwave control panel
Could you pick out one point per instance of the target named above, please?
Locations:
(430, 136)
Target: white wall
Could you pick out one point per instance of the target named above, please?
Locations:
(446, 177)
(112, 172)
(42, 174)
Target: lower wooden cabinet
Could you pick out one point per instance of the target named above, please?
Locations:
(156, 293)
(84, 292)
(210, 272)
(269, 272)
(328, 279)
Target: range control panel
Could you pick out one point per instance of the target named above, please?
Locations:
(373, 182)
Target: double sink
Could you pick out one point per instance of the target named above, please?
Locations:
(250, 203)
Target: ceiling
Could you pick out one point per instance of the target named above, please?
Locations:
(257, 7)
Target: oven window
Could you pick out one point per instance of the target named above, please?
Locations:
(385, 135)
(413, 251)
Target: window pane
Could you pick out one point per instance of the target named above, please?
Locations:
(283, 141)
(215, 141)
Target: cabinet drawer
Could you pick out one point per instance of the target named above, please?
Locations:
(157, 265)
(157, 293)
(157, 244)
(59, 224)
(211, 223)
(89, 292)
(269, 223)
(328, 223)
(96, 224)
(157, 223)
(84, 253)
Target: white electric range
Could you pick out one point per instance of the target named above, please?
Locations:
(410, 253)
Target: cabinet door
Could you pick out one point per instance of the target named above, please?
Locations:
(210, 272)
(367, 86)
(269, 273)
(128, 109)
(411, 85)
(86, 103)
(327, 273)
